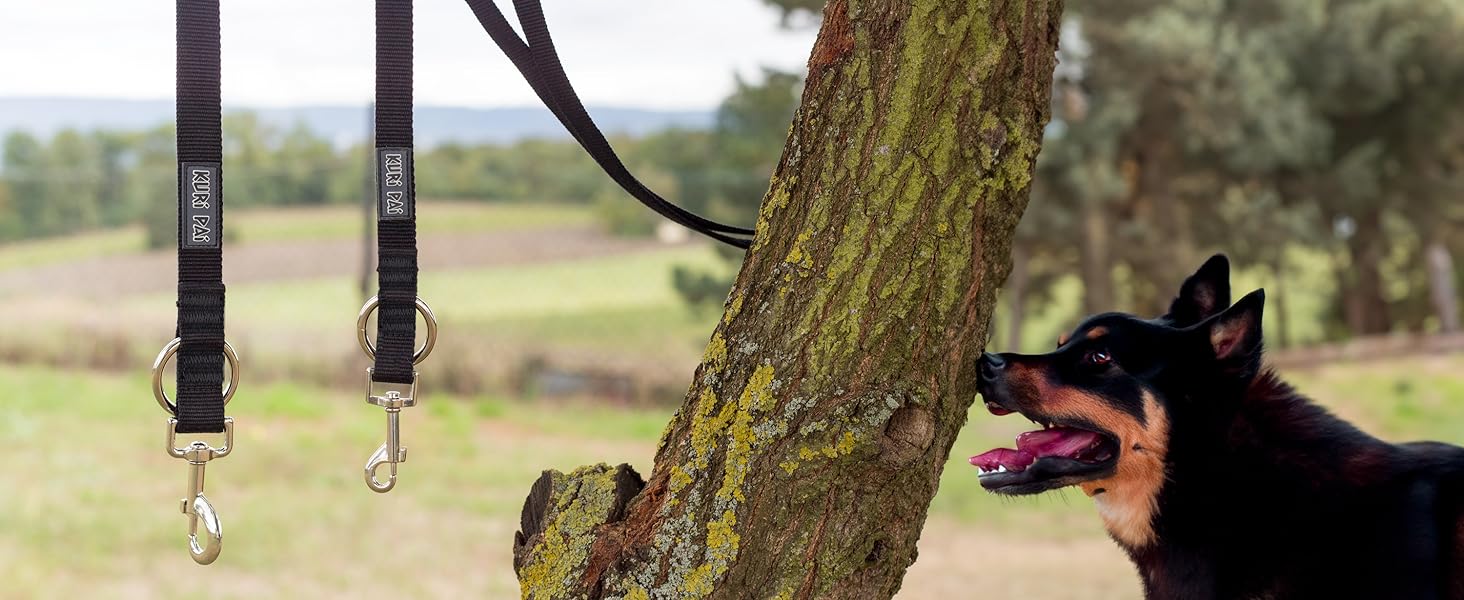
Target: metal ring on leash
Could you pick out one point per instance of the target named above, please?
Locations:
(170, 349)
(370, 348)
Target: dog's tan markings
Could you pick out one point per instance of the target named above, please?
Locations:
(1130, 497)
(1062, 338)
(1096, 332)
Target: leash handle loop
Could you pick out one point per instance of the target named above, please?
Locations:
(199, 343)
(538, 61)
(392, 379)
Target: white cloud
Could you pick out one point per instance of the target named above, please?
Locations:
(646, 53)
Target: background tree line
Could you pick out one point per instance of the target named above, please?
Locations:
(1327, 129)
(78, 180)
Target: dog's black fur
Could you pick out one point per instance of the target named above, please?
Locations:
(1226, 483)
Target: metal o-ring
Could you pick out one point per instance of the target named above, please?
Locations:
(170, 349)
(370, 348)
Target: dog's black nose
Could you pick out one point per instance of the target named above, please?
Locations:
(991, 366)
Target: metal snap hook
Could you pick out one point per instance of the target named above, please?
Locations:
(214, 542)
(393, 398)
(383, 456)
(370, 349)
(195, 504)
(166, 354)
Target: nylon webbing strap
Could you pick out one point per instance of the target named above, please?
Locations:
(538, 61)
(200, 398)
(396, 218)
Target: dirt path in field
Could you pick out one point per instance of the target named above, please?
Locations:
(111, 276)
(957, 560)
(963, 561)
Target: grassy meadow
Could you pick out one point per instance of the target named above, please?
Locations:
(89, 506)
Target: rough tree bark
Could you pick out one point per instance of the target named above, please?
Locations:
(1280, 299)
(1096, 259)
(1016, 297)
(1366, 306)
(1443, 291)
(810, 444)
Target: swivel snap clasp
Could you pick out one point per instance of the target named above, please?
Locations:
(392, 397)
(198, 454)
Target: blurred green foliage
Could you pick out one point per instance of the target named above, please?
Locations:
(1188, 127)
(731, 176)
(1310, 140)
(1308, 135)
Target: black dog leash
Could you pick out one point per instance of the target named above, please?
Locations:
(199, 345)
(392, 378)
(538, 61)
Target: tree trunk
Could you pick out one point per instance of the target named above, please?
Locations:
(1443, 290)
(1015, 291)
(1367, 307)
(1281, 299)
(1149, 160)
(1096, 261)
(1178, 241)
(810, 444)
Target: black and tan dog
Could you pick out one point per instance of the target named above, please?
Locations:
(1217, 478)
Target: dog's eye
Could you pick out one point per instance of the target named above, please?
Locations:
(1097, 357)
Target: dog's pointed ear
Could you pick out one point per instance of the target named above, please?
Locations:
(1203, 294)
(1235, 335)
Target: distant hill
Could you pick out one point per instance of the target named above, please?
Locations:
(342, 124)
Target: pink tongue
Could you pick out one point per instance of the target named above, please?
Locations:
(1057, 441)
(1013, 460)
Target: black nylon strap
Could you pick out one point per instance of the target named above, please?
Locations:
(396, 217)
(538, 61)
(200, 220)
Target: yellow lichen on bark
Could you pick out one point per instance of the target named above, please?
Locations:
(866, 295)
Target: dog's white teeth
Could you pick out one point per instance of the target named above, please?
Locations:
(1001, 469)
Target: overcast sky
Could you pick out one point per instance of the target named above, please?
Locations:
(642, 53)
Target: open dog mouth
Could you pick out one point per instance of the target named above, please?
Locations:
(1058, 455)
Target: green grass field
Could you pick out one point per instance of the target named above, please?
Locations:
(35, 253)
(91, 504)
(330, 222)
(91, 508)
(619, 305)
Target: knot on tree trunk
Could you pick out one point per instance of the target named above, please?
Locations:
(811, 440)
(907, 436)
(564, 518)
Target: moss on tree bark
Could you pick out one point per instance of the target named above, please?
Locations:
(811, 442)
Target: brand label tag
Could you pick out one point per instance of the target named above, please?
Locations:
(199, 193)
(394, 183)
